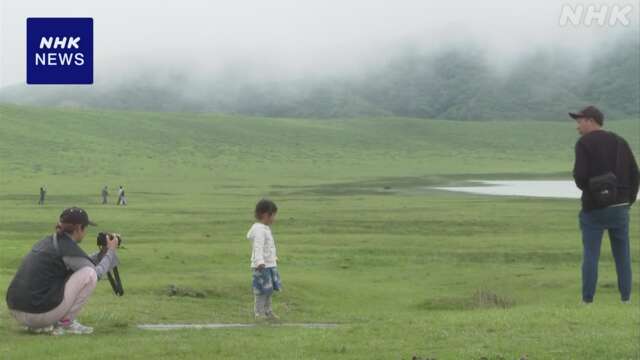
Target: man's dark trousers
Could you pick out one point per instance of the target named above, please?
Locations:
(593, 223)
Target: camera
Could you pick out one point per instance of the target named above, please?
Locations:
(114, 275)
(103, 236)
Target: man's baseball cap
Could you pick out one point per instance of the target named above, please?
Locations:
(590, 112)
(76, 215)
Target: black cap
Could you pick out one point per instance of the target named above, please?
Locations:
(590, 112)
(75, 215)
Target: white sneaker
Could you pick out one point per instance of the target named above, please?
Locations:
(626, 302)
(57, 331)
(73, 327)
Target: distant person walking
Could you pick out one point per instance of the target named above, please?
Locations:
(105, 194)
(607, 173)
(122, 199)
(43, 193)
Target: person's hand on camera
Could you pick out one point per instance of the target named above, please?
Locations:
(260, 267)
(112, 242)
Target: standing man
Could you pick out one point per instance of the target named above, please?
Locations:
(43, 193)
(105, 194)
(607, 173)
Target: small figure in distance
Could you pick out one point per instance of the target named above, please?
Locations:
(122, 199)
(43, 193)
(105, 194)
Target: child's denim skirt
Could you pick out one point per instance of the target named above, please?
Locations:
(266, 281)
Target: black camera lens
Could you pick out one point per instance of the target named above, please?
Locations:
(103, 237)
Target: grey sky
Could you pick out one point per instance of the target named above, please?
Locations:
(294, 37)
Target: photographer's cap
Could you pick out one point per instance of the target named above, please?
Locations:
(591, 112)
(76, 215)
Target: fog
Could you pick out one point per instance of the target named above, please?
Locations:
(289, 38)
(459, 60)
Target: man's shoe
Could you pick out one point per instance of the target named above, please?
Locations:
(626, 302)
(72, 327)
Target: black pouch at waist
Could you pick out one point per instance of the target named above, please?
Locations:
(604, 189)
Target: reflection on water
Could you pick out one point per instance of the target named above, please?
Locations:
(561, 189)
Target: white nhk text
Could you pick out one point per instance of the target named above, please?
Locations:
(56, 58)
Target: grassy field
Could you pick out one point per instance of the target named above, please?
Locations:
(405, 270)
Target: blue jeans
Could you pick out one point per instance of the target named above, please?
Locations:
(593, 224)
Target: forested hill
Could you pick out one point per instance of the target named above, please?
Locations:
(458, 83)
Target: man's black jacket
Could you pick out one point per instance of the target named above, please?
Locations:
(597, 154)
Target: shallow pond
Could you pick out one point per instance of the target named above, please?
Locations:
(561, 189)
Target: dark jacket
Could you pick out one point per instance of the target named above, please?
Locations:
(38, 286)
(597, 154)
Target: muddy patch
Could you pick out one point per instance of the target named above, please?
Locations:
(188, 292)
(481, 299)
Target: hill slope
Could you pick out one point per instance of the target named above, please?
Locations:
(37, 142)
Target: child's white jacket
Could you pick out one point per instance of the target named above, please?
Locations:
(264, 247)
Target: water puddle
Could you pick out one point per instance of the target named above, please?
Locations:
(559, 189)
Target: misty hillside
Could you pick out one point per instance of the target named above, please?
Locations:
(457, 83)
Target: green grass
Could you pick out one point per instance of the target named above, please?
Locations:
(363, 242)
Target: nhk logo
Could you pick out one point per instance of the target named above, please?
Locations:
(59, 51)
(588, 15)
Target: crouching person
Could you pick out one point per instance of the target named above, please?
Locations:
(56, 278)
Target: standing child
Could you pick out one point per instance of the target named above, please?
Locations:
(266, 279)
